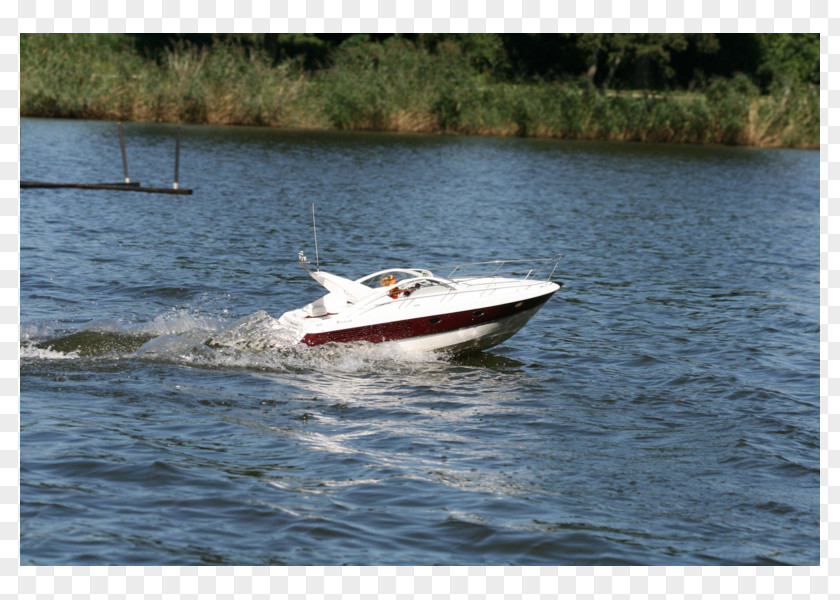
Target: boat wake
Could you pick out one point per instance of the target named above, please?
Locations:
(181, 337)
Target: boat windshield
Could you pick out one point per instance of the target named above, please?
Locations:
(391, 277)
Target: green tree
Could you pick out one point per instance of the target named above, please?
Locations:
(634, 58)
(789, 59)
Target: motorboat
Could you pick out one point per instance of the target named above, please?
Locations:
(471, 306)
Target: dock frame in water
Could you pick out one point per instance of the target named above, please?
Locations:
(128, 185)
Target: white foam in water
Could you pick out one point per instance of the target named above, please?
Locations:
(178, 322)
(253, 342)
(361, 357)
(184, 337)
(29, 352)
(176, 348)
(252, 332)
(103, 325)
(37, 330)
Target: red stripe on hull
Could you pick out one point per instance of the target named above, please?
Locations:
(409, 328)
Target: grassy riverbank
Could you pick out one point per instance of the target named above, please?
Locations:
(391, 86)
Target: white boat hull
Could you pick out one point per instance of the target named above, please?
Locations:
(480, 337)
(423, 313)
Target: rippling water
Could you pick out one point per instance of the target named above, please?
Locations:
(662, 408)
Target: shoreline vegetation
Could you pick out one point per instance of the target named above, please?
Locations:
(736, 89)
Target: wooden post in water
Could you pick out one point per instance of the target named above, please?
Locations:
(122, 148)
(177, 154)
(128, 186)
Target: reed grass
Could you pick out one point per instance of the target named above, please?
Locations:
(392, 86)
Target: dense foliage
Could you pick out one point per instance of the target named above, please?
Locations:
(760, 89)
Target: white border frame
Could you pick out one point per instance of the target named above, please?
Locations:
(543, 16)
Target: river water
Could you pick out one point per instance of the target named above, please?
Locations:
(662, 408)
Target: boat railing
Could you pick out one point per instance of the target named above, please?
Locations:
(521, 268)
(516, 269)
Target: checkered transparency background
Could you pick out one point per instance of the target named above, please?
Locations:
(348, 16)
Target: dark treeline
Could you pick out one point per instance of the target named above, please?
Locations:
(641, 61)
(746, 89)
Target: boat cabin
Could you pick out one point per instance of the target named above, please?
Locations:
(393, 283)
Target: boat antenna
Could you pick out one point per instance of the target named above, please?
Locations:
(315, 233)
